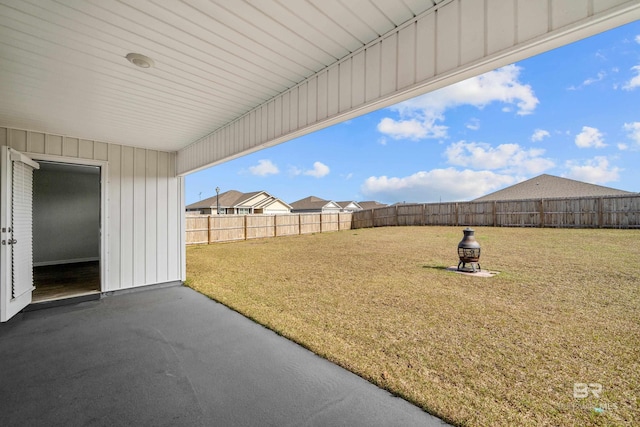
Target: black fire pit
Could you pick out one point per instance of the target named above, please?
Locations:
(469, 251)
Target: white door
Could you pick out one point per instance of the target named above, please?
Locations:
(16, 246)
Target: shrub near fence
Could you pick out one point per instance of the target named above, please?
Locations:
(594, 212)
(228, 228)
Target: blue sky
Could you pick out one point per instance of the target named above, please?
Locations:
(571, 112)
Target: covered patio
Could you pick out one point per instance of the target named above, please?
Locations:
(144, 93)
(171, 356)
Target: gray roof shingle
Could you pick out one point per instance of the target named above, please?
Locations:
(550, 187)
(227, 199)
(310, 202)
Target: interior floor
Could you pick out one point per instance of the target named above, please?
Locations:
(55, 282)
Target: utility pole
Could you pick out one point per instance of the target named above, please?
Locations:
(217, 200)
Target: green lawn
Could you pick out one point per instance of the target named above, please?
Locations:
(505, 350)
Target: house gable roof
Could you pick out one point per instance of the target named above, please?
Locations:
(225, 199)
(265, 202)
(371, 204)
(233, 198)
(313, 203)
(346, 204)
(548, 187)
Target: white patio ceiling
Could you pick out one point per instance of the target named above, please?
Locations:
(63, 67)
(229, 74)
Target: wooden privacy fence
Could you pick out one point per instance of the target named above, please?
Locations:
(595, 212)
(228, 228)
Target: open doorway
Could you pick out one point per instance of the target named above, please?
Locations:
(66, 231)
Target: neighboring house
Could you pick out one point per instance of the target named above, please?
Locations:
(371, 204)
(550, 187)
(235, 202)
(350, 206)
(314, 204)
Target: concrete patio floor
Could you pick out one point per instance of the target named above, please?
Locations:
(173, 357)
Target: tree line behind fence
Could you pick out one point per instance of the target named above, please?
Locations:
(595, 212)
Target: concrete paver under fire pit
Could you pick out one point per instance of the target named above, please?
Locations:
(173, 357)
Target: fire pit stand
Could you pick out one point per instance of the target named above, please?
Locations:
(469, 251)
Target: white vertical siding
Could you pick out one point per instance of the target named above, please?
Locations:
(163, 203)
(151, 217)
(372, 72)
(447, 38)
(144, 206)
(426, 47)
(450, 42)
(533, 19)
(501, 26)
(472, 23)
(357, 81)
(407, 56)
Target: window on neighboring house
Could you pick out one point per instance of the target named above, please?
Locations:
(244, 211)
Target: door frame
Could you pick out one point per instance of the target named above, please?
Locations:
(104, 234)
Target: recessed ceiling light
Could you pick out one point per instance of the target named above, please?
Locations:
(140, 60)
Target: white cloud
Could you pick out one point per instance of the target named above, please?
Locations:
(633, 130)
(635, 81)
(539, 135)
(435, 185)
(473, 124)
(590, 137)
(591, 80)
(637, 39)
(420, 117)
(499, 85)
(411, 129)
(622, 146)
(595, 171)
(506, 157)
(294, 171)
(264, 168)
(319, 170)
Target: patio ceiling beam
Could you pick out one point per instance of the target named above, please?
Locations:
(448, 43)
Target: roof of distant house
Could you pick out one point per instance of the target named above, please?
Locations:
(549, 187)
(371, 204)
(226, 199)
(346, 203)
(309, 203)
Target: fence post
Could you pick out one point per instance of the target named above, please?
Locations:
(600, 212)
(422, 218)
(455, 210)
(245, 227)
(321, 222)
(541, 213)
(209, 230)
(275, 226)
(495, 214)
(299, 224)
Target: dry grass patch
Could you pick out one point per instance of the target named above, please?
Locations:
(505, 350)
